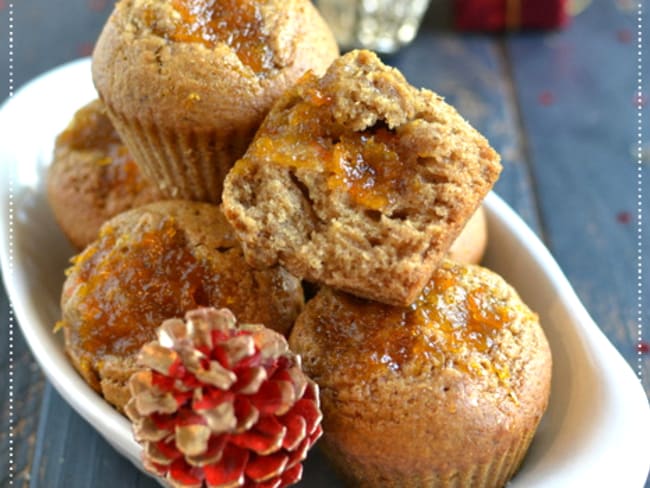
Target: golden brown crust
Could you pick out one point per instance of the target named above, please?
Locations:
(88, 184)
(198, 87)
(272, 297)
(410, 404)
(283, 200)
(207, 103)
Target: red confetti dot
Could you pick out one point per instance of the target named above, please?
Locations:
(3, 5)
(546, 98)
(85, 49)
(97, 5)
(640, 100)
(643, 347)
(624, 217)
(624, 36)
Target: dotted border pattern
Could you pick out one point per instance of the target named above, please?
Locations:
(9, 271)
(639, 217)
(639, 211)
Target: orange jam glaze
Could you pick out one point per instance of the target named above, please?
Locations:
(92, 130)
(371, 165)
(238, 23)
(128, 288)
(448, 325)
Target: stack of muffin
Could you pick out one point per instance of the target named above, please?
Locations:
(235, 160)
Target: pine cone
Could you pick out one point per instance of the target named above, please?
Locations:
(222, 405)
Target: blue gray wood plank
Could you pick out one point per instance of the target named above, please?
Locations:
(576, 92)
(71, 454)
(27, 382)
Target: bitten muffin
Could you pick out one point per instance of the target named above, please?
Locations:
(359, 181)
(154, 263)
(92, 177)
(447, 392)
(187, 82)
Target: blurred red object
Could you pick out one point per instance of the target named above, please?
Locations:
(502, 15)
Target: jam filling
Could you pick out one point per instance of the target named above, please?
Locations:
(92, 130)
(370, 166)
(131, 285)
(238, 23)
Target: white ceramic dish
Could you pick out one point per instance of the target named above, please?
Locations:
(596, 428)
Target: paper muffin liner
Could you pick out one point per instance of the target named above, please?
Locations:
(189, 165)
(492, 474)
(497, 471)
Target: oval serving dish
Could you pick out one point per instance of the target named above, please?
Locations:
(595, 430)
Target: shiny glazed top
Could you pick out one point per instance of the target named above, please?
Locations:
(128, 289)
(138, 274)
(237, 23)
(451, 325)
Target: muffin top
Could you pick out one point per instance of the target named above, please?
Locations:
(93, 177)
(157, 262)
(245, 26)
(217, 63)
(467, 322)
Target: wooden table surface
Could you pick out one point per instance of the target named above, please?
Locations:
(560, 107)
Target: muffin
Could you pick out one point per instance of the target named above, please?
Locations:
(469, 246)
(359, 181)
(154, 263)
(92, 176)
(447, 392)
(187, 82)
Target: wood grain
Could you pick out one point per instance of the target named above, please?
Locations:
(71, 454)
(28, 383)
(576, 93)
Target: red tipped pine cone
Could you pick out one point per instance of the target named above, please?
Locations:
(222, 405)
